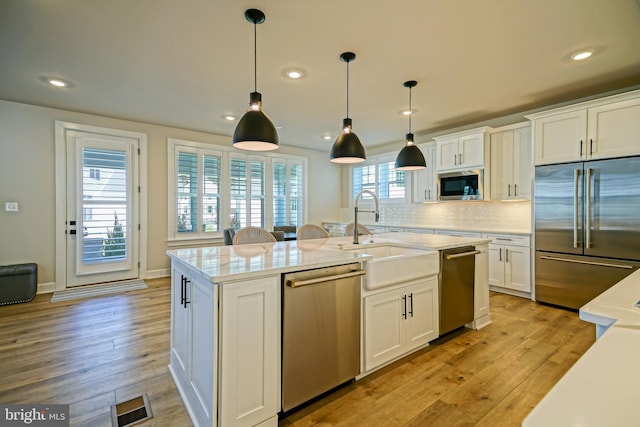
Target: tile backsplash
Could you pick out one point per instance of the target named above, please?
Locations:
(460, 215)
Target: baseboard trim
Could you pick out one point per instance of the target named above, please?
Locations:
(156, 274)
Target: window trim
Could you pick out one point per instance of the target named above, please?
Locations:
(226, 152)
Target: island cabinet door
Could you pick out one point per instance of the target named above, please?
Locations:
(422, 313)
(180, 321)
(250, 351)
(384, 332)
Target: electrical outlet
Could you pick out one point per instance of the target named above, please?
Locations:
(11, 206)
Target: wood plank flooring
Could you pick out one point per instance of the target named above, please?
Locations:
(93, 352)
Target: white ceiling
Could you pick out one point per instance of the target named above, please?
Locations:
(185, 63)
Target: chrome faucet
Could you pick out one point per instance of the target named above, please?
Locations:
(355, 214)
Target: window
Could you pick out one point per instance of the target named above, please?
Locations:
(288, 191)
(381, 177)
(247, 192)
(215, 187)
(197, 200)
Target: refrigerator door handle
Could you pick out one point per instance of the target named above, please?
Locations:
(587, 196)
(575, 208)
(601, 264)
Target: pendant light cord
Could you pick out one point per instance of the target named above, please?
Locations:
(410, 110)
(347, 89)
(255, 57)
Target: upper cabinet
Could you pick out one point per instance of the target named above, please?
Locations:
(603, 128)
(425, 187)
(462, 150)
(511, 164)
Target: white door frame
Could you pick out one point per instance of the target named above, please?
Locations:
(61, 129)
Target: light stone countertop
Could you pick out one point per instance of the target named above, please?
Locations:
(241, 262)
(601, 389)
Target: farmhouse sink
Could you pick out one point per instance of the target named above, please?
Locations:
(393, 264)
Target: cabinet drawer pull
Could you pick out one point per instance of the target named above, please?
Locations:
(404, 306)
(411, 304)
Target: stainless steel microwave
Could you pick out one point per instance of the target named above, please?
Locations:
(461, 185)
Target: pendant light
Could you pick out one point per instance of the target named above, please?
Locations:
(255, 131)
(347, 148)
(410, 157)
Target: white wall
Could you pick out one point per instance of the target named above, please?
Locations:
(27, 168)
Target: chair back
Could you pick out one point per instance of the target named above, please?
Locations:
(228, 234)
(278, 234)
(252, 235)
(362, 230)
(312, 231)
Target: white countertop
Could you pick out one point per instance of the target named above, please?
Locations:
(227, 263)
(601, 389)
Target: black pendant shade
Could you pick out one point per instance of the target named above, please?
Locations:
(255, 131)
(410, 157)
(347, 148)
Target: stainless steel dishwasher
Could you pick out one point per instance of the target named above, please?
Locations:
(457, 271)
(320, 331)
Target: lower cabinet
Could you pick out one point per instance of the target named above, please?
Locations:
(399, 320)
(250, 352)
(225, 349)
(194, 337)
(510, 263)
(481, 316)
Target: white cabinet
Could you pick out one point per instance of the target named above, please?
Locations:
(425, 188)
(603, 128)
(233, 349)
(193, 344)
(511, 164)
(250, 353)
(481, 316)
(462, 150)
(399, 320)
(509, 263)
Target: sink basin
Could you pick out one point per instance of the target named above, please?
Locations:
(392, 264)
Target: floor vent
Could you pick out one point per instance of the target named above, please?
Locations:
(131, 411)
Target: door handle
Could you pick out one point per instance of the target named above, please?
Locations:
(506, 253)
(411, 304)
(575, 207)
(500, 255)
(460, 160)
(425, 194)
(580, 148)
(515, 190)
(591, 147)
(462, 254)
(297, 283)
(455, 159)
(509, 190)
(576, 261)
(404, 306)
(183, 293)
(587, 196)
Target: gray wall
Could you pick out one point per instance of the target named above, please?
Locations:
(27, 172)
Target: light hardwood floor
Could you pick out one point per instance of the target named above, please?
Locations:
(91, 353)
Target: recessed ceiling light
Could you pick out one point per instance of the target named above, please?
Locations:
(408, 112)
(294, 73)
(229, 117)
(327, 137)
(579, 56)
(58, 83)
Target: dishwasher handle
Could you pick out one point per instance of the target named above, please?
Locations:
(298, 283)
(460, 255)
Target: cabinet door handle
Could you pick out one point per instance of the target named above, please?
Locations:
(500, 255)
(509, 190)
(425, 194)
(404, 306)
(506, 253)
(590, 147)
(182, 289)
(455, 159)
(580, 148)
(185, 301)
(515, 190)
(460, 158)
(429, 194)
(411, 304)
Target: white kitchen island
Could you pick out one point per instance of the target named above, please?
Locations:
(226, 318)
(601, 389)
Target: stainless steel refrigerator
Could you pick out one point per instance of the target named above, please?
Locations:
(587, 228)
